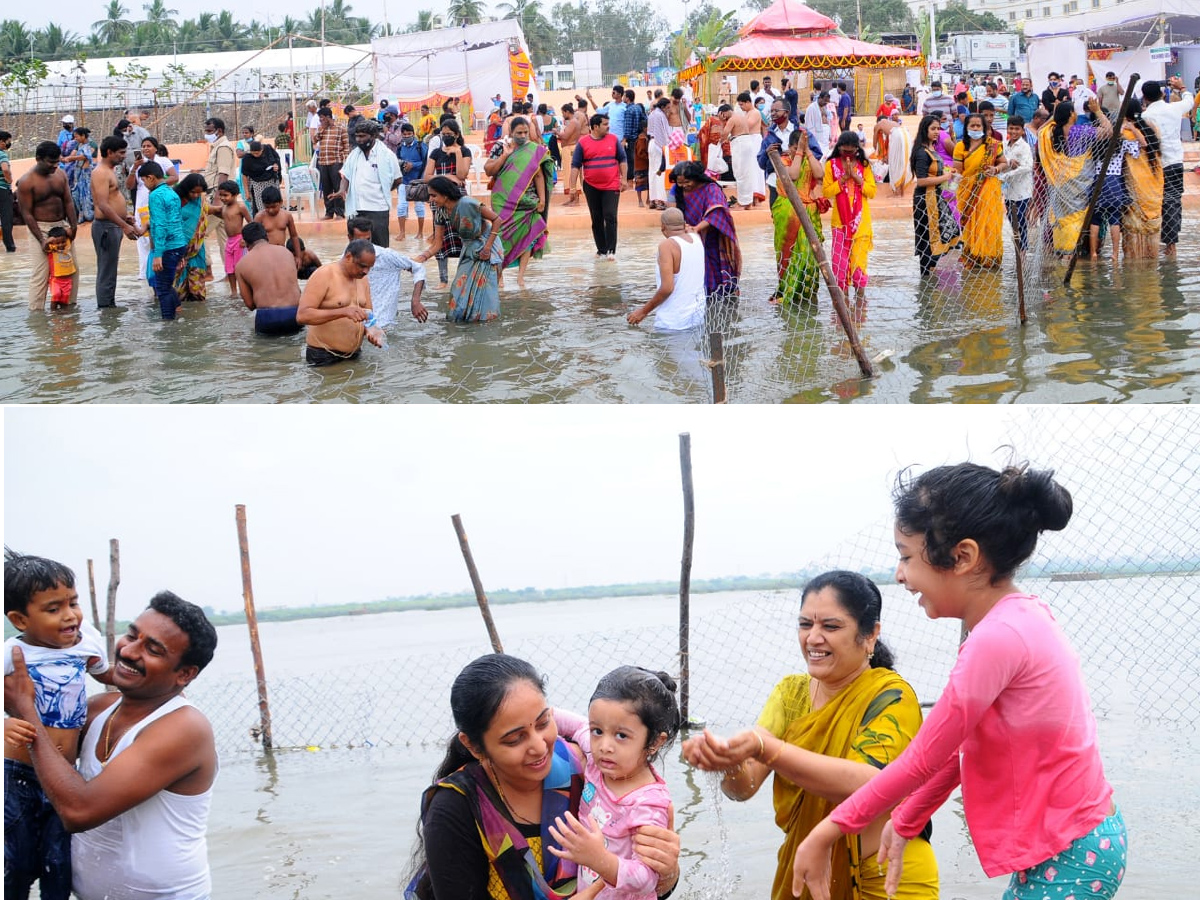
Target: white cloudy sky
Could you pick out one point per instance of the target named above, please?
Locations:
(78, 15)
(354, 504)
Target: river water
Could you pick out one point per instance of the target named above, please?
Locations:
(320, 819)
(1124, 336)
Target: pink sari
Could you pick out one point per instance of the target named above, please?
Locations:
(849, 262)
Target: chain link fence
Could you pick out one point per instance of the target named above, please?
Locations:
(1123, 578)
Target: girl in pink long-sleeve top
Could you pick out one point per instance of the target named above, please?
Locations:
(632, 717)
(1014, 726)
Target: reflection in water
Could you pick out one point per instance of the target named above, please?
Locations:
(952, 337)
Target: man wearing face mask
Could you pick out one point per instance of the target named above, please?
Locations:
(1055, 93)
(780, 133)
(1110, 95)
(221, 166)
(412, 156)
(938, 101)
(369, 175)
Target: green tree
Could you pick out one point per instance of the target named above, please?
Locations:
(15, 42)
(878, 16)
(114, 28)
(226, 33)
(464, 12)
(427, 20)
(154, 33)
(956, 17)
(53, 42)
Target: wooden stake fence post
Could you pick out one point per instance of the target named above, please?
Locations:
(480, 596)
(685, 573)
(92, 591)
(264, 708)
(716, 352)
(114, 581)
(835, 290)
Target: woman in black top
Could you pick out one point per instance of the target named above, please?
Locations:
(260, 169)
(452, 158)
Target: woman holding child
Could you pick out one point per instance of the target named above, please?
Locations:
(826, 733)
(487, 820)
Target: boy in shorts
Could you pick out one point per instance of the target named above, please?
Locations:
(41, 602)
(234, 214)
(62, 266)
(281, 227)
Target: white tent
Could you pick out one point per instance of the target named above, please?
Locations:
(1060, 44)
(453, 62)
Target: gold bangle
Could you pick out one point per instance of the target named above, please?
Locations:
(770, 762)
(762, 748)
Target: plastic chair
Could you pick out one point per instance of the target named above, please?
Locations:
(301, 186)
(476, 175)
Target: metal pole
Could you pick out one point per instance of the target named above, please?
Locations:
(264, 708)
(322, 45)
(835, 291)
(685, 572)
(480, 596)
(1098, 183)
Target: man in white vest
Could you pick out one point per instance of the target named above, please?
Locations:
(138, 804)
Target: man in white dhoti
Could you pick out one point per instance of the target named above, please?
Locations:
(814, 119)
(745, 138)
(659, 131)
(900, 174)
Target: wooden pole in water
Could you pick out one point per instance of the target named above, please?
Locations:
(716, 350)
(260, 676)
(1021, 284)
(1098, 181)
(92, 591)
(835, 291)
(114, 580)
(480, 596)
(685, 572)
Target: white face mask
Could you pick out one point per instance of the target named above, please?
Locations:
(211, 138)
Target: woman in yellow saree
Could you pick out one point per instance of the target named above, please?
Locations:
(1065, 152)
(979, 198)
(1142, 223)
(825, 732)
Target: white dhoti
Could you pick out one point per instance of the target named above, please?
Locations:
(658, 185)
(900, 173)
(750, 178)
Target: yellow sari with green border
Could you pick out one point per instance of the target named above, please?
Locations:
(870, 721)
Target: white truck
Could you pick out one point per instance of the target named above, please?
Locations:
(979, 53)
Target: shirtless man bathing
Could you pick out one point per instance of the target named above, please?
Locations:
(266, 275)
(336, 304)
(112, 220)
(44, 200)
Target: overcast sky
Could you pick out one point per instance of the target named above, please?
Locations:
(78, 15)
(352, 504)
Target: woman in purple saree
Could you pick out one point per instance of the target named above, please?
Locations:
(706, 209)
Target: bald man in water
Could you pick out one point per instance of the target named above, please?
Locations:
(336, 304)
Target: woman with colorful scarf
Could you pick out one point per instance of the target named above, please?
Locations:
(979, 197)
(823, 735)
(799, 274)
(944, 147)
(706, 209)
(849, 184)
(1066, 149)
(191, 276)
(475, 290)
(522, 173)
(78, 159)
(1142, 223)
(507, 775)
(935, 231)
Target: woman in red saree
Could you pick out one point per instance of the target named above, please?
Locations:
(706, 209)
(849, 184)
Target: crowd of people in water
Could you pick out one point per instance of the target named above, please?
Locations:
(534, 802)
(982, 155)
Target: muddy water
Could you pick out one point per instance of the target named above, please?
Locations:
(1113, 336)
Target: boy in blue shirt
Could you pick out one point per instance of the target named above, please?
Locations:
(41, 602)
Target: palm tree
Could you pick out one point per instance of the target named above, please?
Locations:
(226, 33)
(539, 33)
(114, 27)
(465, 12)
(54, 43)
(427, 20)
(292, 26)
(14, 39)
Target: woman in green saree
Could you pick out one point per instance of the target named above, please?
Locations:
(522, 173)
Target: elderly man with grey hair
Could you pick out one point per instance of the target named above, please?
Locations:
(369, 175)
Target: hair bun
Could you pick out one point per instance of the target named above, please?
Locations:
(1049, 502)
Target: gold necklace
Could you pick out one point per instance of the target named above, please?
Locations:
(516, 815)
(108, 735)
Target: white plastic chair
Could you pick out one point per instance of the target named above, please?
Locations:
(301, 186)
(476, 175)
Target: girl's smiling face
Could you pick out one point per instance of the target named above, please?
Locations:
(920, 577)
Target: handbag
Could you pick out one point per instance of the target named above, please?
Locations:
(716, 162)
(417, 190)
